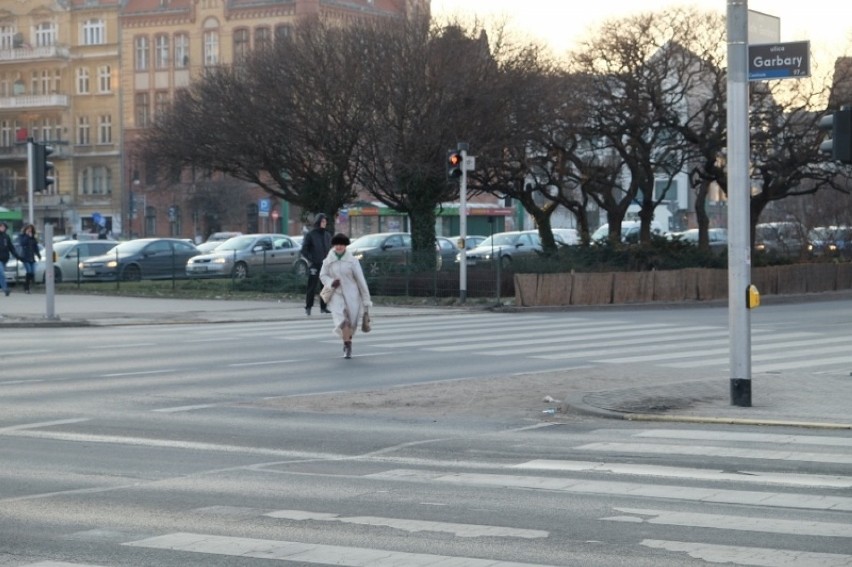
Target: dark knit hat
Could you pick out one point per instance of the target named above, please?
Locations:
(340, 238)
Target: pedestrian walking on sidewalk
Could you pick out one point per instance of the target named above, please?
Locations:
(315, 247)
(351, 297)
(7, 250)
(29, 253)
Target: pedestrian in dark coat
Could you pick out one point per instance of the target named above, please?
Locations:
(29, 253)
(315, 248)
(7, 250)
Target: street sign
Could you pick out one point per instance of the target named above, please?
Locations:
(779, 61)
(263, 207)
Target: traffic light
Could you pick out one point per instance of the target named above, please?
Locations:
(454, 164)
(839, 124)
(42, 167)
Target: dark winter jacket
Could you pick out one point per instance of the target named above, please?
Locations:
(29, 248)
(316, 245)
(7, 249)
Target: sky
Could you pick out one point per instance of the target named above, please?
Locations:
(561, 23)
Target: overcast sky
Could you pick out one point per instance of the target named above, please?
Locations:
(563, 22)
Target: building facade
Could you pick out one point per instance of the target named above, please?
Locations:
(88, 76)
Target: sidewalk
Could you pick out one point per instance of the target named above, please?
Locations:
(803, 399)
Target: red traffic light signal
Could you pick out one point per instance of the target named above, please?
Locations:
(454, 164)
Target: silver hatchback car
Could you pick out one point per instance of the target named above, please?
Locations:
(246, 255)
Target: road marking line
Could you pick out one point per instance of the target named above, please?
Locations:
(110, 347)
(177, 409)
(26, 426)
(737, 523)
(309, 554)
(140, 373)
(261, 363)
(813, 481)
(708, 451)
(637, 489)
(754, 556)
(412, 526)
(729, 436)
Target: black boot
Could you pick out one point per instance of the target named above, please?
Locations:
(347, 349)
(27, 279)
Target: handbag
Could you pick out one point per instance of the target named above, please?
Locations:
(325, 293)
(366, 322)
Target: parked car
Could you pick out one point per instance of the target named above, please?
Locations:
(447, 252)
(67, 255)
(209, 246)
(786, 239)
(143, 258)
(507, 246)
(471, 241)
(245, 255)
(831, 241)
(717, 237)
(566, 236)
(377, 251)
(629, 231)
(222, 236)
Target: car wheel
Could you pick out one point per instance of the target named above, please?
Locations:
(240, 271)
(505, 262)
(131, 273)
(373, 268)
(57, 275)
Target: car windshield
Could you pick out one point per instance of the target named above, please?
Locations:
(129, 247)
(369, 241)
(62, 247)
(235, 243)
(504, 239)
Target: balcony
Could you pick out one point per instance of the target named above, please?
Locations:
(33, 53)
(34, 101)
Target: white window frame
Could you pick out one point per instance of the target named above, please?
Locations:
(105, 129)
(83, 131)
(83, 80)
(45, 34)
(104, 79)
(181, 50)
(211, 48)
(93, 32)
(161, 52)
(7, 37)
(141, 53)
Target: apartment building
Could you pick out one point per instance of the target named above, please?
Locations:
(59, 68)
(88, 76)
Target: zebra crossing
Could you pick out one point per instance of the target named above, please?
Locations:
(599, 342)
(652, 507)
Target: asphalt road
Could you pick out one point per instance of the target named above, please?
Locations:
(188, 445)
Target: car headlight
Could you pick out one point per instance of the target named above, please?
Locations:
(760, 247)
(832, 247)
(220, 260)
(359, 256)
(112, 264)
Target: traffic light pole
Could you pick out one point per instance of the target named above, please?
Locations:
(463, 224)
(31, 165)
(739, 195)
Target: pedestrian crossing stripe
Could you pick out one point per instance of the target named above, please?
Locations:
(752, 556)
(308, 554)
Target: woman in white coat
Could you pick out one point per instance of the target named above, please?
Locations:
(351, 298)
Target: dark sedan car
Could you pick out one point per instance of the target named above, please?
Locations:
(143, 258)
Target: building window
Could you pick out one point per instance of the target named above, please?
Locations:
(94, 32)
(211, 48)
(104, 79)
(142, 53)
(241, 45)
(262, 38)
(105, 129)
(41, 82)
(143, 110)
(45, 34)
(181, 51)
(82, 80)
(83, 138)
(161, 104)
(161, 51)
(7, 37)
(282, 32)
(6, 137)
(95, 180)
